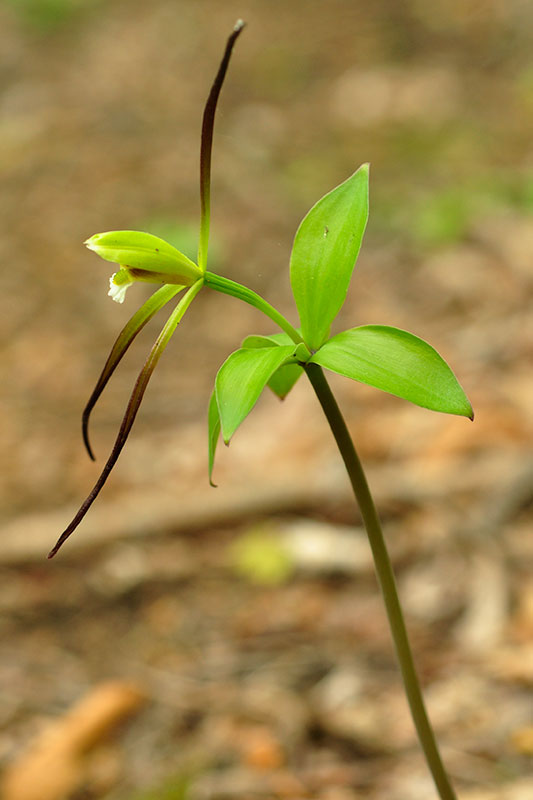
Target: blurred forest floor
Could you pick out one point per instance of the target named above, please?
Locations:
(243, 624)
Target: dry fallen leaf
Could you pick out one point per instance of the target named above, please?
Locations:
(56, 764)
(522, 740)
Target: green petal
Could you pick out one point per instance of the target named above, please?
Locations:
(144, 251)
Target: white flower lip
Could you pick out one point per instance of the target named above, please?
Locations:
(118, 291)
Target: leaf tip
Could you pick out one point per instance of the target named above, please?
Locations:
(469, 411)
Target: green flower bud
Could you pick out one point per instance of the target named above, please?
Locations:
(142, 257)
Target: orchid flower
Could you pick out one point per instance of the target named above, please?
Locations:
(144, 257)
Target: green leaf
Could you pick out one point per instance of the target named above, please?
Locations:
(240, 381)
(324, 253)
(144, 251)
(284, 378)
(397, 362)
(213, 425)
(258, 340)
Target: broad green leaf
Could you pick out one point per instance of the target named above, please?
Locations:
(240, 381)
(144, 251)
(324, 253)
(286, 376)
(397, 362)
(213, 424)
(258, 340)
(284, 379)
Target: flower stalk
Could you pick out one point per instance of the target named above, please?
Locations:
(234, 289)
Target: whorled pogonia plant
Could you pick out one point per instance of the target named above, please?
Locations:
(324, 254)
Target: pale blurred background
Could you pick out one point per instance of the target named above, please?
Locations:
(244, 614)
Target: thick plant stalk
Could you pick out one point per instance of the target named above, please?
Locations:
(386, 579)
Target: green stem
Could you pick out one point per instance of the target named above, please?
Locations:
(372, 524)
(226, 286)
(386, 579)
